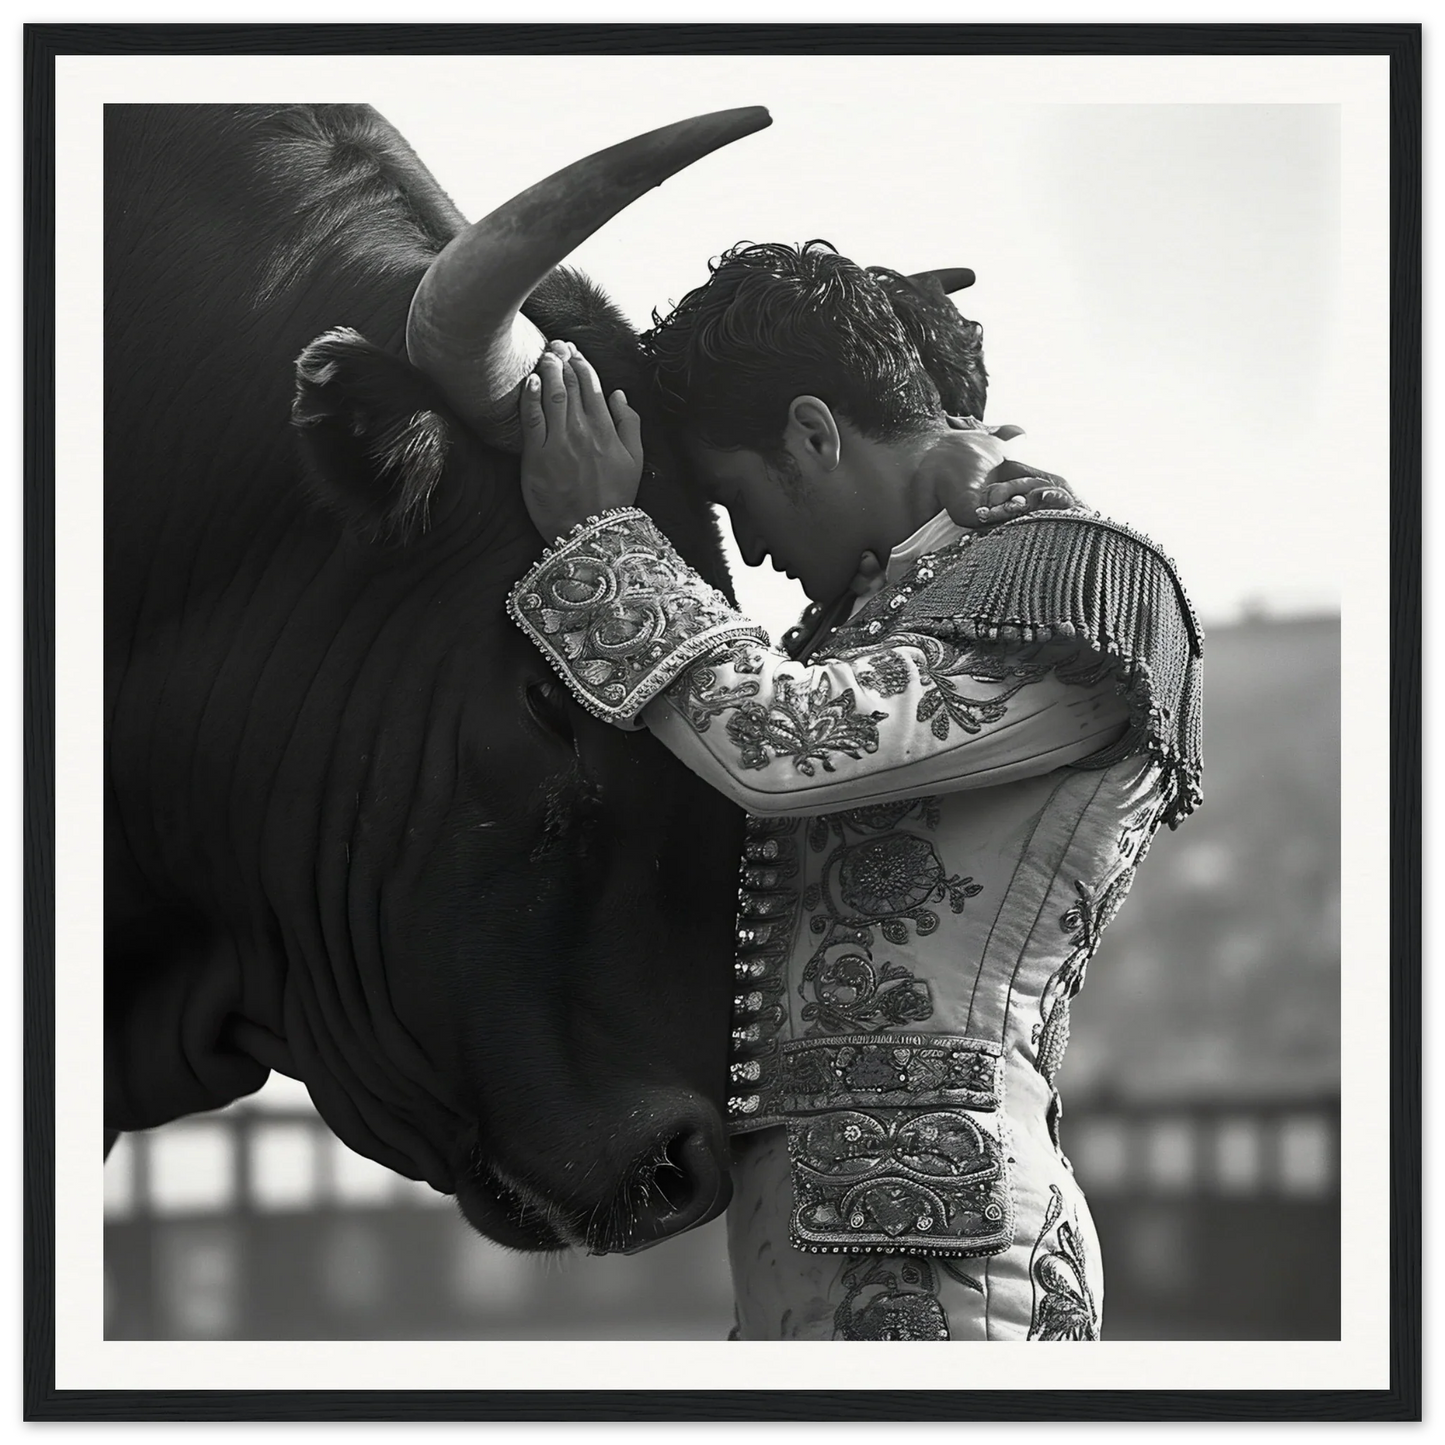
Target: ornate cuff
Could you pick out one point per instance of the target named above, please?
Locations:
(619, 614)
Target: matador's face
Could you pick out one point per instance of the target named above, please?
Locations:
(813, 535)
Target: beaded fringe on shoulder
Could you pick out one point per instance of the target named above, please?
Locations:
(1054, 575)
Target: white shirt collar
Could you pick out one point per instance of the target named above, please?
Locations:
(933, 534)
(938, 532)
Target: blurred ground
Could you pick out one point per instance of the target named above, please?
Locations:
(1201, 1091)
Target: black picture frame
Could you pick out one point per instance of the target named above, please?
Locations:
(1403, 1398)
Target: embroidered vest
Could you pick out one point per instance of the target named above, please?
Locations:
(905, 970)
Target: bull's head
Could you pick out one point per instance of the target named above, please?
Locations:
(542, 1012)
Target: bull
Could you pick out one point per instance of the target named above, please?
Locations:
(354, 832)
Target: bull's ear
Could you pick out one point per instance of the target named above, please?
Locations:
(375, 433)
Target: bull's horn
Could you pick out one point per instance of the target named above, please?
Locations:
(953, 278)
(464, 329)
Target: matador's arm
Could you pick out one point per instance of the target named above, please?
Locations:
(928, 697)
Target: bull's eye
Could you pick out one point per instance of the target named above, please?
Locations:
(547, 702)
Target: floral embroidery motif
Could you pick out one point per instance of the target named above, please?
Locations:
(942, 705)
(619, 614)
(700, 698)
(806, 724)
(1064, 1307)
(942, 664)
(1051, 1034)
(1083, 924)
(887, 880)
(851, 994)
(888, 674)
(889, 1298)
(871, 1175)
(880, 883)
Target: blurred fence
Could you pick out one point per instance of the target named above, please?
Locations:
(1215, 1221)
(256, 1222)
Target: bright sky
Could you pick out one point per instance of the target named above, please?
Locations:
(1157, 284)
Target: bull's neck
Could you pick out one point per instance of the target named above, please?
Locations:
(252, 734)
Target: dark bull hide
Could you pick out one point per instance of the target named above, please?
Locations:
(354, 831)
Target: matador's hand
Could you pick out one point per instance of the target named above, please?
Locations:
(581, 451)
(967, 471)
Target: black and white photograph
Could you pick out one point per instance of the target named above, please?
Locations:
(698, 704)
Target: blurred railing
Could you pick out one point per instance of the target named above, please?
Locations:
(258, 1223)
(1216, 1221)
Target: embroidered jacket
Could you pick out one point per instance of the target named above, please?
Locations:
(947, 804)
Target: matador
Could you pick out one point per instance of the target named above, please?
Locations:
(950, 781)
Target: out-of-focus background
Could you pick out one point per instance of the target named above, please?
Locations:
(1201, 1094)
(1158, 288)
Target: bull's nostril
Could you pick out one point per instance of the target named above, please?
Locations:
(673, 1184)
(686, 1185)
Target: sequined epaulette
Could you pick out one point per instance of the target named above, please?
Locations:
(1056, 575)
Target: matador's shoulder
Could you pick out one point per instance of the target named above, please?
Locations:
(1057, 574)
(1050, 576)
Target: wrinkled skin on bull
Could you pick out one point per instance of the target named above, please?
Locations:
(354, 832)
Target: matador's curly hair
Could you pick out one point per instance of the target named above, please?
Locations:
(775, 321)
